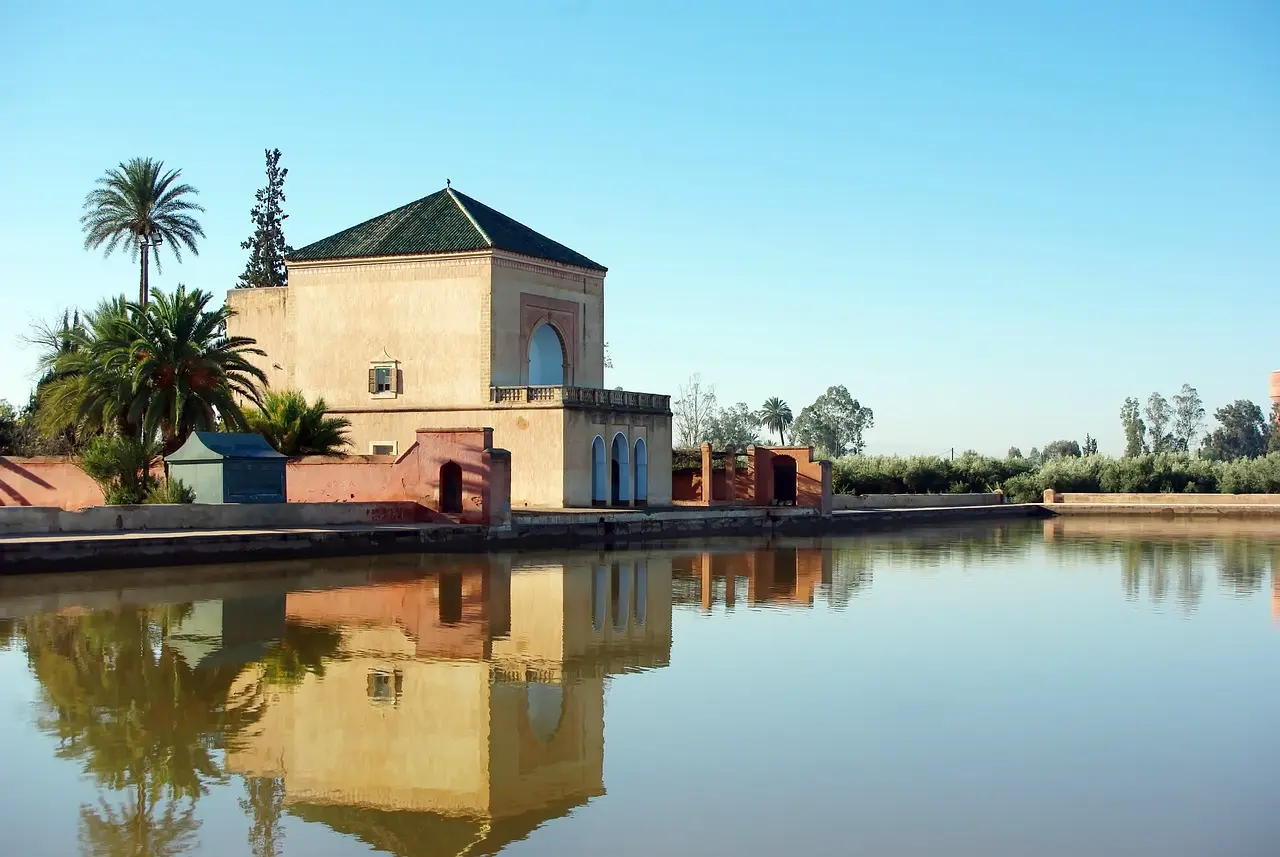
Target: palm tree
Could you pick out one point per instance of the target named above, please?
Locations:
(86, 387)
(140, 206)
(293, 427)
(775, 415)
(186, 371)
(168, 366)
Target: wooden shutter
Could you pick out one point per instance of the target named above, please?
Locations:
(373, 380)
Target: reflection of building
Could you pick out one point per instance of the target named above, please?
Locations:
(463, 709)
(772, 576)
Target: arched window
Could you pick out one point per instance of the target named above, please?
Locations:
(640, 486)
(544, 706)
(620, 470)
(599, 473)
(546, 357)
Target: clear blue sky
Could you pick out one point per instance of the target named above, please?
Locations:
(991, 221)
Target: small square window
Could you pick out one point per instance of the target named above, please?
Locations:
(383, 380)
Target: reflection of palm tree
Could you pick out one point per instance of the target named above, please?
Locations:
(137, 716)
(303, 649)
(107, 831)
(264, 802)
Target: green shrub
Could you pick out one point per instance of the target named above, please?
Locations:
(1024, 488)
(121, 466)
(1024, 482)
(171, 491)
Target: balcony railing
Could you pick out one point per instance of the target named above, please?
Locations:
(581, 397)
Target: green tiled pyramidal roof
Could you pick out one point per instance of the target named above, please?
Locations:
(444, 222)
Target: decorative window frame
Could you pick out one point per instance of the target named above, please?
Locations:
(385, 361)
(562, 315)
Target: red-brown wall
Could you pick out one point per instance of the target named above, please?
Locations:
(46, 481)
(414, 476)
(753, 485)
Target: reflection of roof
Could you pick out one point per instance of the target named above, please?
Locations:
(205, 653)
(429, 834)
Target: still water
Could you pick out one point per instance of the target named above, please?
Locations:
(1059, 688)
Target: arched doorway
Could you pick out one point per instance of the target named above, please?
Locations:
(784, 480)
(599, 475)
(450, 487)
(620, 471)
(640, 486)
(546, 357)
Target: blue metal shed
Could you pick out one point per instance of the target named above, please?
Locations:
(224, 467)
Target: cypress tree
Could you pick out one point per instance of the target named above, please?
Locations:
(267, 247)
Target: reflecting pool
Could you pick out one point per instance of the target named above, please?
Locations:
(1067, 687)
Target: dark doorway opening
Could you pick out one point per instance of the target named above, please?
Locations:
(784, 572)
(784, 480)
(450, 598)
(450, 487)
(615, 475)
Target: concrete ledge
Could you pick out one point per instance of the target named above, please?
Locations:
(1074, 498)
(841, 502)
(1170, 510)
(98, 519)
(138, 549)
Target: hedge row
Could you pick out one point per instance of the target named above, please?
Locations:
(1023, 482)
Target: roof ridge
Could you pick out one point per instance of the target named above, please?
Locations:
(453, 196)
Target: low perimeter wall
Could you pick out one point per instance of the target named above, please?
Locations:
(46, 481)
(1157, 499)
(50, 519)
(913, 501)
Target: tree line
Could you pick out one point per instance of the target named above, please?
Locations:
(125, 382)
(1176, 425)
(835, 423)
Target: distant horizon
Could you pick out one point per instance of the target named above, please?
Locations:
(990, 227)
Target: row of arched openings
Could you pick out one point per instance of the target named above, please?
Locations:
(622, 476)
(620, 594)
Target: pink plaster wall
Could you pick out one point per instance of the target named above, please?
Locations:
(46, 481)
(414, 476)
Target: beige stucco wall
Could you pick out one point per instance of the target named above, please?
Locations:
(581, 429)
(260, 314)
(431, 315)
(513, 276)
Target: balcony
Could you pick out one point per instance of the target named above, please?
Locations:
(587, 398)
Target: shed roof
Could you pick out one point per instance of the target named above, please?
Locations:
(223, 446)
